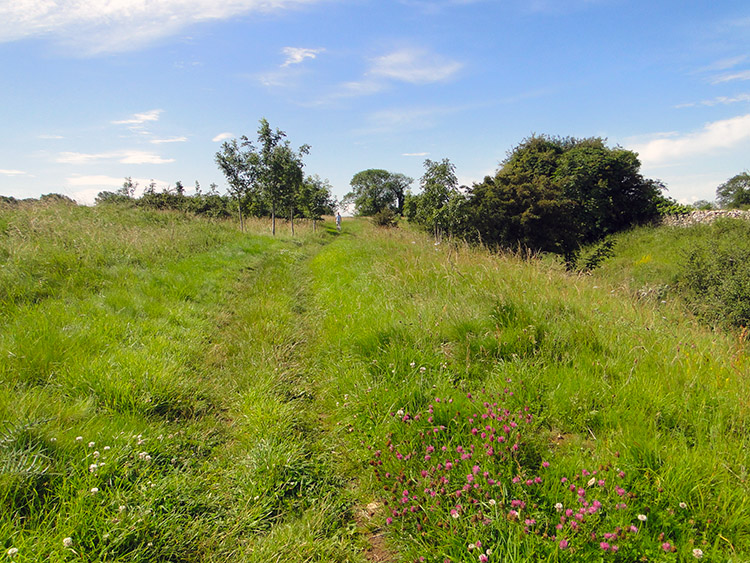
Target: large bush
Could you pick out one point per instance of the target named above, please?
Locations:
(555, 194)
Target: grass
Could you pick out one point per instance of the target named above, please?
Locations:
(181, 391)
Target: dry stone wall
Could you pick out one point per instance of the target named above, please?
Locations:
(704, 217)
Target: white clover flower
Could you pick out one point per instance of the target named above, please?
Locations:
(422, 369)
(96, 454)
(472, 546)
(106, 448)
(79, 438)
(122, 508)
(591, 482)
(559, 507)
(68, 542)
(12, 552)
(92, 444)
(697, 553)
(93, 467)
(683, 505)
(94, 490)
(642, 517)
(493, 502)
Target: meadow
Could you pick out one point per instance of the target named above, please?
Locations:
(178, 390)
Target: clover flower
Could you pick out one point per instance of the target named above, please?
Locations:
(697, 553)
(68, 542)
(12, 552)
(642, 517)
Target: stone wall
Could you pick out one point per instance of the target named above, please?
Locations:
(703, 217)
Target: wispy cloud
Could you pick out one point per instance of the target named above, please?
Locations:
(84, 188)
(731, 77)
(12, 172)
(718, 101)
(415, 154)
(295, 55)
(124, 157)
(405, 119)
(50, 137)
(138, 119)
(722, 134)
(222, 137)
(170, 140)
(119, 25)
(416, 66)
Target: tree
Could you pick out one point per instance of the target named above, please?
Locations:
(375, 190)
(557, 193)
(239, 163)
(270, 174)
(437, 207)
(316, 199)
(735, 192)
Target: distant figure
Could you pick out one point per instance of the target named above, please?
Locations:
(338, 221)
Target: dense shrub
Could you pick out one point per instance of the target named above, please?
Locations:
(716, 273)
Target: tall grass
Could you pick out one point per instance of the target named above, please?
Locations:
(182, 391)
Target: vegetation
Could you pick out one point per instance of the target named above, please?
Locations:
(375, 190)
(177, 390)
(735, 192)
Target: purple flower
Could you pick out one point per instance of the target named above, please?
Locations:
(563, 544)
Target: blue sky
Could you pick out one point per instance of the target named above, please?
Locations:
(94, 91)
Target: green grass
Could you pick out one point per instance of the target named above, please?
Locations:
(253, 393)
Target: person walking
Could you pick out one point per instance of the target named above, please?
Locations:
(338, 221)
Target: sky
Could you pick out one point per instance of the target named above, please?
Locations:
(93, 91)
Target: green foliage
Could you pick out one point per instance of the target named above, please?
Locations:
(668, 206)
(385, 218)
(735, 192)
(438, 208)
(556, 194)
(716, 274)
(374, 190)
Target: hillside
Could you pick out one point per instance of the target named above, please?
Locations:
(177, 390)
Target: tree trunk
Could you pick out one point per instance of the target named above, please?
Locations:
(273, 219)
(291, 218)
(239, 209)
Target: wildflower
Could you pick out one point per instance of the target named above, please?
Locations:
(96, 454)
(93, 467)
(106, 448)
(697, 553)
(454, 513)
(12, 552)
(122, 508)
(545, 464)
(94, 490)
(92, 444)
(388, 520)
(683, 505)
(68, 542)
(493, 502)
(642, 517)
(483, 558)
(666, 546)
(563, 543)
(79, 438)
(471, 547)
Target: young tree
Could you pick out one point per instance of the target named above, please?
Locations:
(316, 199)
(375, 190)
(433, 209)
(240, 164)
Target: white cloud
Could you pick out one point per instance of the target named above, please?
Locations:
(141, 118)
(12, 172)
(222, 137)
(720, 100)
(51, 137)
(124, 157)
(119, 25)
(722, 134)
(416, 66)
(295, 55)
(170, 140)
(731, 77)
(415, 154)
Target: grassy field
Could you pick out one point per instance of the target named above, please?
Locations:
(176, 390)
